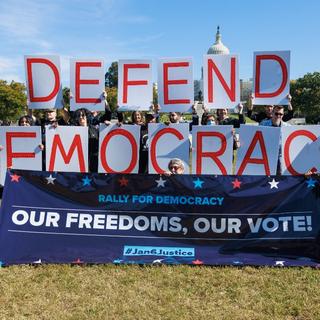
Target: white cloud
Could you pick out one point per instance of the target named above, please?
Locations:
(24, 22)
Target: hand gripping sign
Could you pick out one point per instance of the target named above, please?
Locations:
(175, 84)
(43, 82)
(87, 84)
(20, 149)
(271, 77)
(119, 148)
(134, 85)
(221, 81)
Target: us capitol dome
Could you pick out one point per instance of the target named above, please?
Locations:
(218, 47)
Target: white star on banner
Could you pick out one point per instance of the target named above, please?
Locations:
(280, 263)
(161, 182)
(37, 261)
(157, 261)
(50, 179)
(273, 184)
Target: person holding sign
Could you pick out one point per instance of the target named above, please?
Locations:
(208, 119)
(276, 121)
(138, 119)
(267, 113)
(81, 118)
(51, 119)
(224, 119)
(25, 121)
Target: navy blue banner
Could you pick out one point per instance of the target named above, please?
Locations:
(151, 219)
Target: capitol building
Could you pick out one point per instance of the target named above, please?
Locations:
(219, 48)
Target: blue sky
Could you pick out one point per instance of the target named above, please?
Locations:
(125, 29)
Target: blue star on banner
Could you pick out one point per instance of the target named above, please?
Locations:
(311, 183)
(117, 261)
(198, 183)
(86, 181)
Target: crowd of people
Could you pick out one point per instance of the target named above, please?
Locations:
(272, 116)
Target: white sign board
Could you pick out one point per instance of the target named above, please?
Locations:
(221, 84)
(212, 149)
(175, 84)
(300, 149)
(259, 150)
(119, 148)
(134, 85)
(87, 84)
(166, 143)
(43, 80)
(67, 149)
(271, 77)
(20, 149)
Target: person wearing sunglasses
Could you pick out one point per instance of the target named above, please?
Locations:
(276, 121)
(276, 118)
(175, 166)
(267, 113)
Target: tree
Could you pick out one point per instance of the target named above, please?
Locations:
(66, 97)
(154, 94)
(112, 98)
(305, 94)
(13, 100)
(111, 77)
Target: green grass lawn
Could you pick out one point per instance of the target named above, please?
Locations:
(166, 292)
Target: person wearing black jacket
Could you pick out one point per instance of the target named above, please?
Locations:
(267, 113)
(81, 118)
(224, 119)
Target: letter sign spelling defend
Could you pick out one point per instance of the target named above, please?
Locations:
(271, 77)
(87, 84)
(134, 85)
(175, 84)
(221, 81)
(43, 82)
